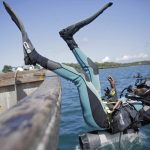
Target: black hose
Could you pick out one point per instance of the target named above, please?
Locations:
(123, 92)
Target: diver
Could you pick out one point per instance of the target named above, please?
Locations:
(110, 97)
(136, 102)
(140, 93)
(138, 75)
(95, 111)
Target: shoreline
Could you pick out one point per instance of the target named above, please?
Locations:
(108, 65)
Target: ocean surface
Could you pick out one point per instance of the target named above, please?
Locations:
(72, 123)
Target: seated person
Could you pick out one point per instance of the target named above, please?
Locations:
(139, 100)
(142, 88)
(141, 93)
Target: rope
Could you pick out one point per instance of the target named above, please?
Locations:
(15, 84)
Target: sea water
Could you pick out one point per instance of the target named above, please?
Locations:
(72, 123)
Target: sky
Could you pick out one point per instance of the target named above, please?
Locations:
(120, 34)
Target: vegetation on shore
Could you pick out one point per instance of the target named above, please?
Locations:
(112, 64)
(8, 68)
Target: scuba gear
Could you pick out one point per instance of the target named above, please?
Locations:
(138, 75)
(142, 83)
(109, 93)
(110, 98)
(101, 139)
(138, 98)
(141, 91)
(124, 117)
(129, 89)
(113, 92)
(67, 33)
(145, 115)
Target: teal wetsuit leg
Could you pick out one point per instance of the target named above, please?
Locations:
(92, 108)
(67, 34)
(90, 69)
(88, 66)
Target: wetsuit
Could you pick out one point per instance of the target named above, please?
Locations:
(88, 84)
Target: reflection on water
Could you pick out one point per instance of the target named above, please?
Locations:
(72, 123)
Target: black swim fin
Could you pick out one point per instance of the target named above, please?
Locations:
(27, 45)
(67, 33)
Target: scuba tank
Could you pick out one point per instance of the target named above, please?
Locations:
(100, 139)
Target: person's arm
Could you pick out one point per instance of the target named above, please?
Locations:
(113, 86)
(117, 105)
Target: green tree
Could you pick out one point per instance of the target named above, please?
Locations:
(36, 67)
(7, 68)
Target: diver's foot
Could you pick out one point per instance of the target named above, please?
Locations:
(68, 32)
(67, 35)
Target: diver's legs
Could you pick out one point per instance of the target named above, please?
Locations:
(92, 106)
(86, 63)
(89, 67)
(91, 103)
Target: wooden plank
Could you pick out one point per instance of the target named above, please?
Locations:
(7, 79)
(33, 123)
